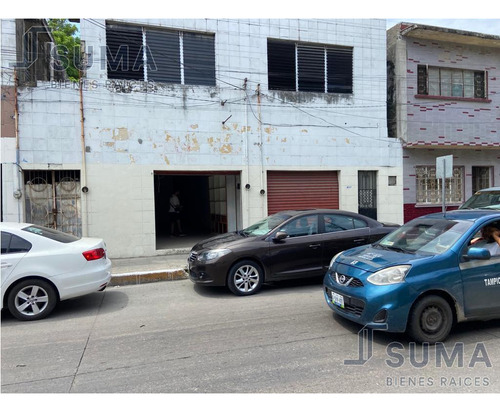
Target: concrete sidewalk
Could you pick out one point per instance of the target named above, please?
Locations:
(134, 271)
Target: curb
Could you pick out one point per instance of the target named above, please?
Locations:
(137, 278)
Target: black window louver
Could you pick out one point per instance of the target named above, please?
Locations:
(339, 73)
(281, 65)
(199, 59)
(311, 73)
(124, 52)
(309, 68)
(163, 58)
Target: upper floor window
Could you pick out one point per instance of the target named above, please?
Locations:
(446, 82)
(309, 68)
(139, 53)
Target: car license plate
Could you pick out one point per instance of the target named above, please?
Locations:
(338, 300)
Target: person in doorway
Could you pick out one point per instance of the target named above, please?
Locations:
(174, 213)
(489, 239)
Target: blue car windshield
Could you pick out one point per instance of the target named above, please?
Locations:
(426, 236)
(266, 225)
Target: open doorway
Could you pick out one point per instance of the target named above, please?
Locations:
(210, 205)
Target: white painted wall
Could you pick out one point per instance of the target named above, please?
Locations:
(174, 127)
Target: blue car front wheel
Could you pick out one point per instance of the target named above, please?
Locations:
(430, 320)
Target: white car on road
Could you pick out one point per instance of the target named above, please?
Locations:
(42, 266)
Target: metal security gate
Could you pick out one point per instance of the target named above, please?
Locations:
(367, 194)
(302, 190)
(53, 199)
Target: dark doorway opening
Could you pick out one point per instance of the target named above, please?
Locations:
(210, 204)
(195, 213)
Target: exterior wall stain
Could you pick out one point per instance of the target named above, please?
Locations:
(187, 144)
(245, 129)
(287, 97)
(226, 149)
(120, 133)
(191, 144)
(222, 146)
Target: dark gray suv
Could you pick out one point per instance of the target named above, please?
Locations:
(484, 199)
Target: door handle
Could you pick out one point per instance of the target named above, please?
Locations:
(6, 265)
(359, 240)
(315, 245)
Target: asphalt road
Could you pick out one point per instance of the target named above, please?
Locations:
(175, 337)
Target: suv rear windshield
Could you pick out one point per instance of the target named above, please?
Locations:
(51, 234)
(487, 199)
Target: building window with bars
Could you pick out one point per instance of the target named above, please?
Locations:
(429, 188)
(166, 56)
(309, 68)
(447, 82)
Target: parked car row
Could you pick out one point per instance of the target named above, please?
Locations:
(420, 278)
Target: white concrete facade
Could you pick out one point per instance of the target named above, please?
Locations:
(134, 129)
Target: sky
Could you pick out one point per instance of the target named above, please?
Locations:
(485, 18)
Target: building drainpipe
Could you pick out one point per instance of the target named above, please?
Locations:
(261, 147)
(18, 192)
(246, 216)
(84, 163)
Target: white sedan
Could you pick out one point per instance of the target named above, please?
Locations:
(42, 266)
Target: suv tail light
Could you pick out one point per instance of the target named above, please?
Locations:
(94, 254)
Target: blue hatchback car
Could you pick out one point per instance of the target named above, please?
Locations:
(422, 278)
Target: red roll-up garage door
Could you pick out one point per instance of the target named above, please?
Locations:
(302, 190)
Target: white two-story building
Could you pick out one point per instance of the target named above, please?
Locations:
(243, 117)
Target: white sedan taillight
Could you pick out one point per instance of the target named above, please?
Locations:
(94, 254)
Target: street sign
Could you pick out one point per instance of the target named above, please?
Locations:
(444, 167)
(444, 170)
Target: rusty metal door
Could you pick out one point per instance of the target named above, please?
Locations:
(53, 199)
(302, 190)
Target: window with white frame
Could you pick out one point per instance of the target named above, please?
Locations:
(308, 67)
(448, 82)
(429, 188)
(161, 55)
